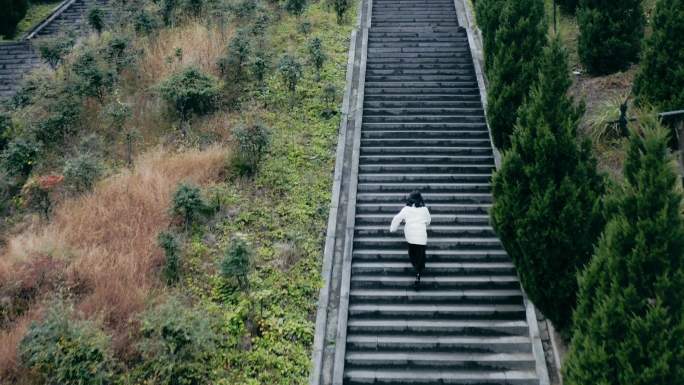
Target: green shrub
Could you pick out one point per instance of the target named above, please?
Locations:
(260, 65)
(317, 56)
(81, 172)
(193, 7)
(6, 127)
(145, 22)
(67, 351)
(568, 6)
(190, 91)
(519, 41)
(295, 7)
(304, 27)
(340, 7)
(116, 114)
(178, 345)
(660, 80)
(171, 269)
(12, 13)
(168, 9)
(64, 112)
(244, 9)
(117, 52)
(20, 156)
(488, 14)
(236, 262)
(547, 196)
(261, 23)
(239, 48)
(187, 203)
(610, 34)
(33, 86)
(95, 79)
(629, 322)
(96, 19)
(54, 49)
(252, 142)
(290, 71)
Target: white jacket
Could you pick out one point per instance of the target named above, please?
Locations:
(417, 219)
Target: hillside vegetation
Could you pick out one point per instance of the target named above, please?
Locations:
(165, 187)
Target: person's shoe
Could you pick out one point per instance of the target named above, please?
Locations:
(416, 284)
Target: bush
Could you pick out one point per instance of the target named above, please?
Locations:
(38, 193)
(193, 7)
(610, 34)
(236, 56)
(54, 49)
(96, 19)
(145, 22)
(65, 111)
(81, 172)
(244, 9)
(168, 10)
(177, 346)
(12, 13)
(20, 156)
(629, 323)
(568, 6)
(117, 52)
(190, 91)
(340, 7)
(252, 141)
(317, 56)
(295, 7)
(260, 65)
(261, 22)
(519, 41)
(236, 262)
(95, 79)
(290, 71)
(660, 80)
(547, 196)
(6, 127)
(64, 350)
(169, 243)
(304, 27)
(187, 203)
(488, 14)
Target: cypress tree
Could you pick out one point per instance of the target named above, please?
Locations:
(660, 81)
(488, 12)
(610, 34)
(548, 194)
(519, 40)
(629, 323)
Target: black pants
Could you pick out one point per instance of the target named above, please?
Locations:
(417, 257)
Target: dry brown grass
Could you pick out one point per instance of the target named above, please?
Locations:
(104, 243)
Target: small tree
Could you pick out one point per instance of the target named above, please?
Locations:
(317, 56)
(96, 19)
(54, 49)
(193, 7)
(187, 203)
(290, 71)
(488, 14)
(236, 56)
(260, 65)
(38, 193)
(6, 127)
(295, 7)
(252, 141)
(145, 22)
(547, 195)
(66, 350)
(169, 243)
(520, 39)
(190, 91)
(168, 10)
(340, 7)
(660, 80)
(82, 171)
(12, 13)
(236, 262)
(610, 34)
(20, 156)
(629, 323)
(64, 112)
(95, 78)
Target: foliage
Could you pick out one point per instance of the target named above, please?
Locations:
(236, 262)
(37, 193)
(610, 34)
(190, 91)
(547, 195)
(187, 203)
(304, 27)
(54, 49)
(291, 71)
(252, 141)
(6, 126)
(67, 351)
(236, 56)
(12, 13)
(171, 269)
(168, 9)
(117, 51)
(316, 55)
(193, 7)
(244, 9)
(568, 6)
(488, 15)
(519, 41)
(96, 19)
(82, 171)
(660, 80)
(260, 65)
(260, 24)
(178, 345)
(341, 7)
(20, 156)
(145, 22)
(64, 112)
(295, 7)
(629, 323)
(95, 79)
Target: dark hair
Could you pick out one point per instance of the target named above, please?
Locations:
(415, 199)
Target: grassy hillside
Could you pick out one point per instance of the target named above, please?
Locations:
(92, 257)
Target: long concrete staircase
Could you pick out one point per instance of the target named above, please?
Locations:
(424, 129)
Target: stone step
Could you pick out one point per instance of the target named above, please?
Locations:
(414, 44)
(411, 168)
(419, 72)
(441, 243)
(429, 198)
(453, 361)
(427, 142)
(492, 344)
(424, 178)
(488, 311)
(434, 296)
(444, 219)
(410, 91)
(423, 111)
(434, 269)
(398, 376)
(395, 160)
(425, 150)
(432, 187)
(442, 208)
(438, 327)
(433, 231)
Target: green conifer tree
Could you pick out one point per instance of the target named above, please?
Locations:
(519, 42)
(629, 323)
(488, 12)
(610, 34)
(660, 81)
(548, 194)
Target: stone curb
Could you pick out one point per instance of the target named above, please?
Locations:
(55, 14)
